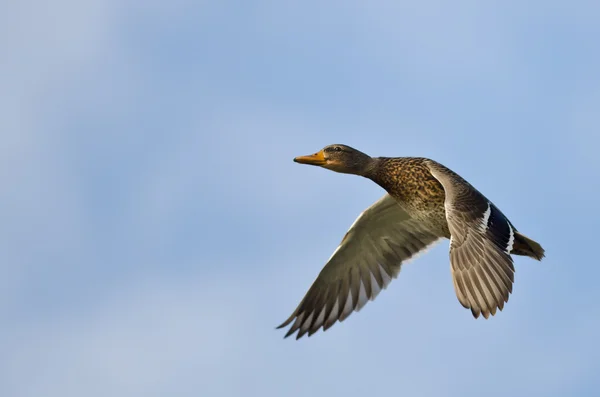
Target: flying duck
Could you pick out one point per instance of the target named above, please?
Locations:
(425, 202)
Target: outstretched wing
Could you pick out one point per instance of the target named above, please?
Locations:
(369, 256)
(480, 245)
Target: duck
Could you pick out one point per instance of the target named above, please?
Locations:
(424, 203)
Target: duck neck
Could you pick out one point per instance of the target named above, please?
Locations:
(370, 167)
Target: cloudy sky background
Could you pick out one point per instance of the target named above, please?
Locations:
(155, 230)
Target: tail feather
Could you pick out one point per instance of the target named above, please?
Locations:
(527, 247)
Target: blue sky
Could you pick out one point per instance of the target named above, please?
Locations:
(155, 230)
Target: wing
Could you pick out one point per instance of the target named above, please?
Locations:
(480, 245)
(367, 259)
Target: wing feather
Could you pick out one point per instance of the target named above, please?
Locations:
(482, 238)
(368, 258)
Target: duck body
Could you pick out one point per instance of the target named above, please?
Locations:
(425, 202)
(410, 182)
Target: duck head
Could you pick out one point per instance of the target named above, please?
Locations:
(339, 158)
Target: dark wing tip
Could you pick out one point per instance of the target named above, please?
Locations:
(539, 252)
(486, 313)
(286, 322)
(295, 327)
(289, 333)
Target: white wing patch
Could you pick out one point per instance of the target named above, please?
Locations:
(486, 217)
(511, 239)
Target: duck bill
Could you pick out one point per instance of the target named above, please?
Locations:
(313, 159)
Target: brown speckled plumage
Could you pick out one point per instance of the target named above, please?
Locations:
(425, 201)
(410, 182)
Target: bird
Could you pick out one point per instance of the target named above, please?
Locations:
(424, 202)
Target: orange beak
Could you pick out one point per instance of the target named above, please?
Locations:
(313, 159)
